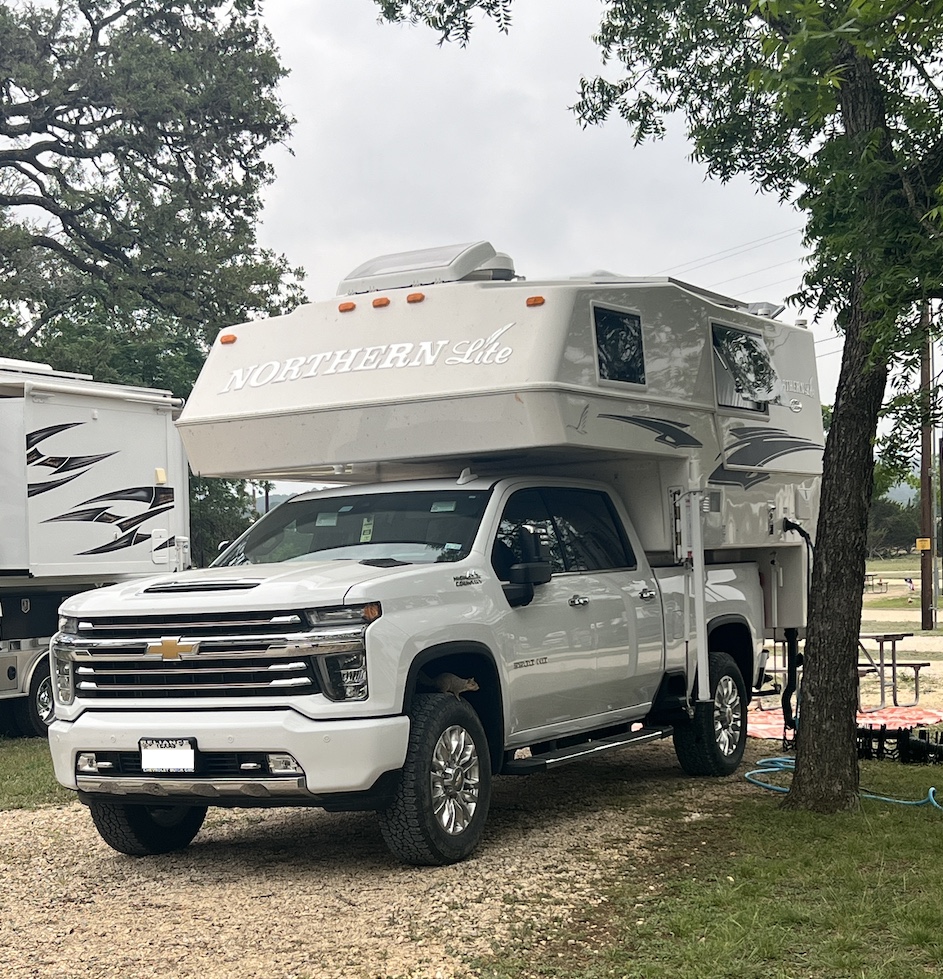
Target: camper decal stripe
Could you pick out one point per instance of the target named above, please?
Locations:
(59, 464)
(156, 499)
(755, 447)
(669, 433)
(34, 438)
(159, 499)
(35, 489)
(725, 477)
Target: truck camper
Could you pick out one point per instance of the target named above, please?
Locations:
(569, 516)
(93, 490)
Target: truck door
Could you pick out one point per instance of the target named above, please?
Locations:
(576, 650)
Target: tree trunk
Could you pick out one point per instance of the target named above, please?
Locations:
(826, 778)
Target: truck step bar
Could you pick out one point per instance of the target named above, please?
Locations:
(577, 752)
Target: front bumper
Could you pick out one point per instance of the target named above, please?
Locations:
(337, 757)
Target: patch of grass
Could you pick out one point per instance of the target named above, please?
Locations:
(754, 892)
(894, 601)
(907, 626)
(907, 565)
(26, 778)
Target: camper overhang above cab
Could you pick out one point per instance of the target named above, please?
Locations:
(438, 358)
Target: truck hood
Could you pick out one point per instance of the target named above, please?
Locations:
(263, 586)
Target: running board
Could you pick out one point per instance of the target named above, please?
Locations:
(577, 752)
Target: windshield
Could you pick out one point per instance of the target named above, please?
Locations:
(422, 527)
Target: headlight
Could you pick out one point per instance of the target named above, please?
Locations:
(69, 624)
(343, 614)
(343, 676)
(64, 674)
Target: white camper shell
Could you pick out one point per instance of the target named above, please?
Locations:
(436, 361)
(93, 489)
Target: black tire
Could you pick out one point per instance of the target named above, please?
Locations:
(441, 803)
(144, 830)
(35, 712)
(713, 741)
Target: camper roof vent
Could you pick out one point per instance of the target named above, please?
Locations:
(770, 310)
(429, 266)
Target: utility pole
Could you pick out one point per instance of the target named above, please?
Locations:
(926, 480)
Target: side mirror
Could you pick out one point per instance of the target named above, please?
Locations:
(533, 570)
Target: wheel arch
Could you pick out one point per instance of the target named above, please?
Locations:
(466, 659)
(732, 634)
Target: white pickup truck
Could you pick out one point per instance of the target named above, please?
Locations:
(538, 555)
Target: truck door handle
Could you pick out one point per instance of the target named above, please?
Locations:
(577, 600)
(646, 594)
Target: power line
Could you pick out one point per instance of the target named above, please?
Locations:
(697, 263)
(746, 275)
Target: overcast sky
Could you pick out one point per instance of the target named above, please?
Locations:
(402, 144)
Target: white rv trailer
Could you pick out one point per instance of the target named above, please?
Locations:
(570, 514)
(93, 490)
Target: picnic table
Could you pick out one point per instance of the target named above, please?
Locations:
(881, 660)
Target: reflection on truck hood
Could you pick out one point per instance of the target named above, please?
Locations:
(293, 585)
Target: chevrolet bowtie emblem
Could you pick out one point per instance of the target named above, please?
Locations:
(170, 647)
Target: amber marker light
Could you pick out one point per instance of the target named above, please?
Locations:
(380, 302)
(228, 338)
(371, 611)
(346, 307)
(415, 297)
(535, 301)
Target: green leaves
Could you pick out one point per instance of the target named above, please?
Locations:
(132, 142)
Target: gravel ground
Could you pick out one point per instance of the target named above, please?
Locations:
(275, 894)
(280, 894)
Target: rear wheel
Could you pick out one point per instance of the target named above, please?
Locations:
(34, 712)
(142, 830)
(713, 741)
(441, 802)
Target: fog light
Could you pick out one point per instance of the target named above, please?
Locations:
(283, 765)
(87, 763)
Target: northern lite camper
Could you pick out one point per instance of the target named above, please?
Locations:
(572, 514)
(93, 490)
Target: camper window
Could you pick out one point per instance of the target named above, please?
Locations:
(743, 372)
(619, 346)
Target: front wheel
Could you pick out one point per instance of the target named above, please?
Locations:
(145, 830)
(441, 803)
(713, 741)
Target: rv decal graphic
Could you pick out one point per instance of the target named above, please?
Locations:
(388, 356)
(669, 433)
(158, 499)
(75, 465)
(755, 447)
(722, 476)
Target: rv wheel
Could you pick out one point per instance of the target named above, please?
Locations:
(34, 713)
(713, 741)
(143, 830)
(441, 803)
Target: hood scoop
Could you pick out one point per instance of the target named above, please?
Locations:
(176, 587)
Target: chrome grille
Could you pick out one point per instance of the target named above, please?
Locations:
(232, 655)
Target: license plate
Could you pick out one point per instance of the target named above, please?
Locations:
(167, 754)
